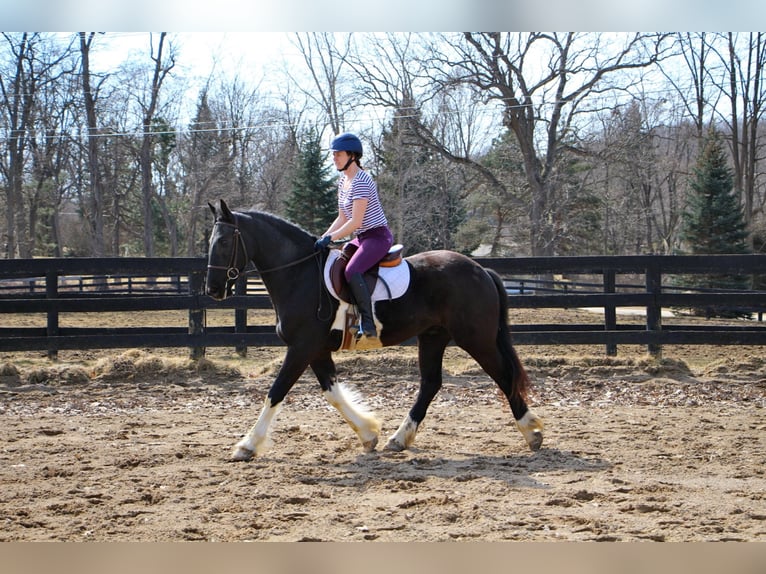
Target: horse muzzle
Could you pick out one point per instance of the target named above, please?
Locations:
(216, 290)
(217, 294)
(217, 286)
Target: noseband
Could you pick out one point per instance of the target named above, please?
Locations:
(232, 271)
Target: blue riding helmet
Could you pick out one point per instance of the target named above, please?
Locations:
(347, 142)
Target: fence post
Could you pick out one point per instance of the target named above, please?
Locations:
(610, 312)
(653, 310)
(52, 329)
(240, 314)
(197, 317)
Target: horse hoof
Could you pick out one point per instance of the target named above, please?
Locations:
(394, 446)
(369, 446)
(531, 427)
(241, 453)
(535, 441)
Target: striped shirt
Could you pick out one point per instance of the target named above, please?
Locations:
(362, 187)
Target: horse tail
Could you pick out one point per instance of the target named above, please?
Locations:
(518, 375)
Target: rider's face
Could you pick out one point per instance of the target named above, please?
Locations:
(340, 158)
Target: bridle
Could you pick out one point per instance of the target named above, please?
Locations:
(233, 272)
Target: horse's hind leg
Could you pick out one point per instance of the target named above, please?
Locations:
(509, 374)
(347, 402)
(431, 347)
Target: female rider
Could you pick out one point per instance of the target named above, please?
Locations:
(361, 214)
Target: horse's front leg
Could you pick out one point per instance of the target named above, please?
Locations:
(347, 402)
(258, 439)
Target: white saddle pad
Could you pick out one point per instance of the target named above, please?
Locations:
(392, 281)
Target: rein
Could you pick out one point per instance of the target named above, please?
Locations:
(286, 265)
(233, 273)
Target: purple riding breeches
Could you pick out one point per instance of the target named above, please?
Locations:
(373, 245)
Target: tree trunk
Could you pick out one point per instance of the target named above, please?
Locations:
(96, 207)
(19, 104)
(145, 158)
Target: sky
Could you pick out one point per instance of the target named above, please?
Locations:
(202, 52)
(382, 16)
(251, 56)
(256, 58)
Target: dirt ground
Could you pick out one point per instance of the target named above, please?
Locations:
(133, 445)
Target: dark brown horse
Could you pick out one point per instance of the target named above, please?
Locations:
(449, 298)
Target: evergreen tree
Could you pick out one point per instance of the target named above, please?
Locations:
(205, 161)
(312, 203)
(501, 212)
(578, 214)
(713, 222)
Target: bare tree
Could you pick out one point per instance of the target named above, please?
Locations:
(95, 210)
(18, 101)
(237, 109)
(205, 157)
(746, 92)
(644, 154)
(325, 55)
(727, 67)
(230, 147)
(388, 73)
(163, 64)
(498, 214)
(544, 83)
(35, 68)
(51, 147)
(422, 192)
(695, 81)
(272, 155)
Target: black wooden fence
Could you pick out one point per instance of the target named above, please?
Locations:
(106, 285)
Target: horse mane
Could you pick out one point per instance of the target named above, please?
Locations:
(288, 228)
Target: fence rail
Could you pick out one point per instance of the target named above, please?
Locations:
(109, 285)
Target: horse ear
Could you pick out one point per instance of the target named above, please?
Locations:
(221, 211)
(225, 211)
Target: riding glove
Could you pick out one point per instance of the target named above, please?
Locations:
(322, 243)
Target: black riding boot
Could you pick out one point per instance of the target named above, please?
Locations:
(362, 299)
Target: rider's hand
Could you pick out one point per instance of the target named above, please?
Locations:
(322, 243)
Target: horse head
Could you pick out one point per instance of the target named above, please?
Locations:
(227, 256)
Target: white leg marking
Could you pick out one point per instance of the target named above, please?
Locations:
(340, 316)
(349, 405)
(404, 435)
(258, 439)
(531, 426)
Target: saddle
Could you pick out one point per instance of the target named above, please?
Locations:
(338, 268)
